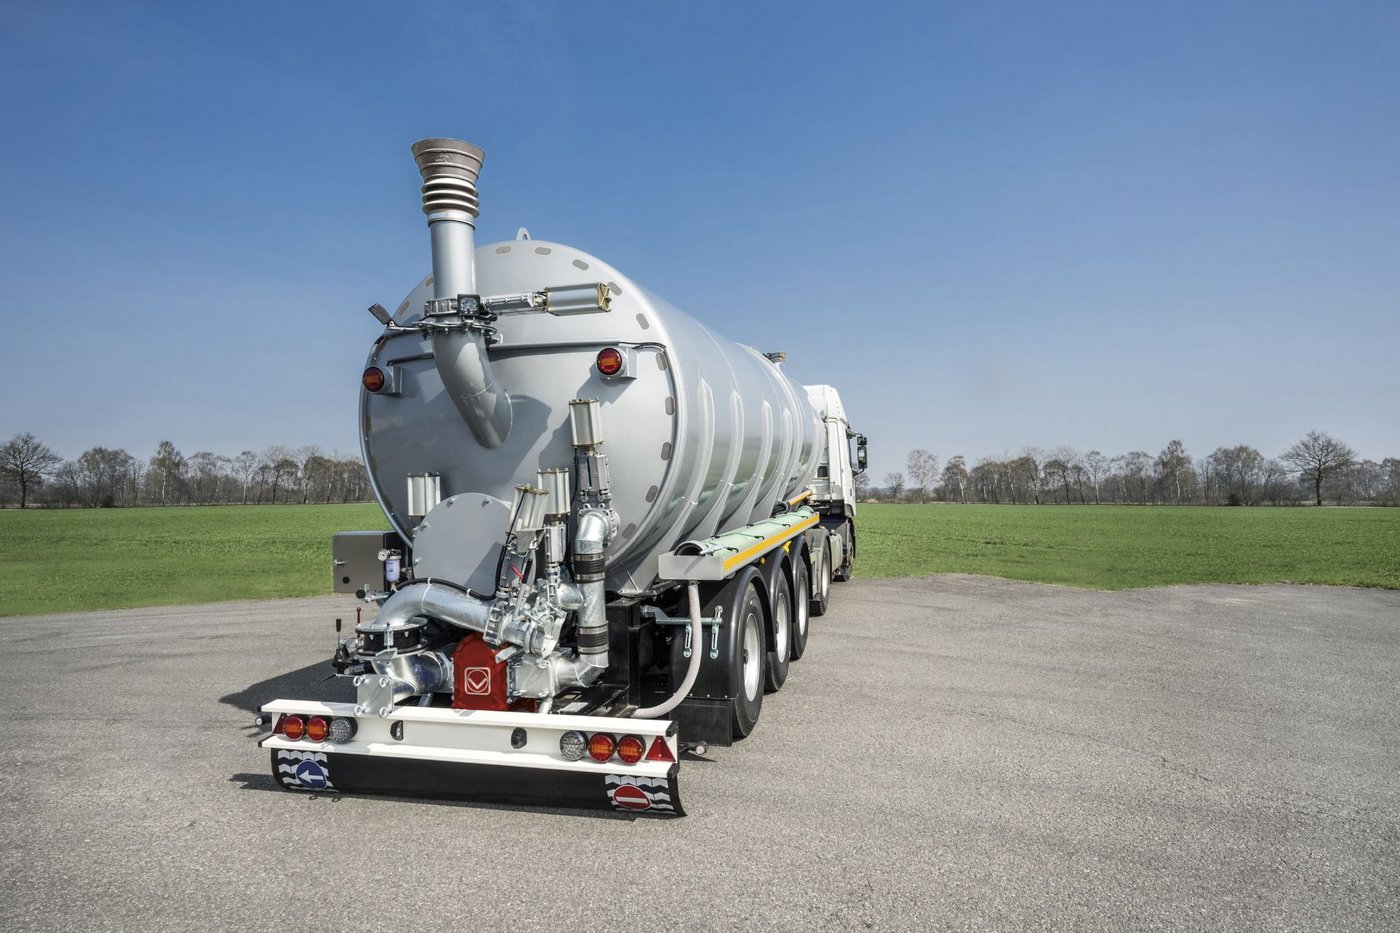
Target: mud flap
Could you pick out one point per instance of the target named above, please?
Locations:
(482, 783)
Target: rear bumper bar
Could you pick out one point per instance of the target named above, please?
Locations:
(485, 756)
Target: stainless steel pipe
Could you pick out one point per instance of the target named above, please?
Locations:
(449, 168)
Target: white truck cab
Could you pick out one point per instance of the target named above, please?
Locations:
(834, 488)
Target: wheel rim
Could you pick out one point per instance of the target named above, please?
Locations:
(824, 584)
(753, 657)
(782, 618)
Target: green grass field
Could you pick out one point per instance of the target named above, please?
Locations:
(1122, 547)
(62, 561)
(70, 560)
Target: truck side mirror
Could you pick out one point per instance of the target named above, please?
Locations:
(860, 453)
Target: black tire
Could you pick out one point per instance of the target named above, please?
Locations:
(746, 666)
(780, 653)
(821, 581)
(801, 606)
(848, 554)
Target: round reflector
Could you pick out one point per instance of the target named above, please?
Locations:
(373, 379)
(610, 361)
(294, 728)
(342, 730)
(630, 749)
(572, 745)
(600, 746)
(317, 728)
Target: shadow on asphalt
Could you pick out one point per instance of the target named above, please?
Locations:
(308, 683)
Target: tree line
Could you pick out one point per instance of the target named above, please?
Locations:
(1317, 468)
(31, 473)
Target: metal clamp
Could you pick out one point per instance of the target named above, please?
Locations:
(714, 622)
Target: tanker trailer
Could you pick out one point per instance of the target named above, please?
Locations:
(610, 527)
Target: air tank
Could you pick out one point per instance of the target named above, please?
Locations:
(703, 435)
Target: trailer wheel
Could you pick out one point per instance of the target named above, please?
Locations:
(746, 667)
(780, 606)
(821, 586)
(801, 606)
(848, 554)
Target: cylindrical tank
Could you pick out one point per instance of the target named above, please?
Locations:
(702, 435)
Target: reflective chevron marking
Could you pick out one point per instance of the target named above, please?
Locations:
(303, 770)
(631, 793)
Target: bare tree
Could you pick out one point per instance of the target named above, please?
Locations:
(244, 466)
(1078, 475)
(166, 472)
(1235, 475)
(955, 478)
(923, 470)
(1318, 456)
(894, 482)
(1390, 467)
(1024, 474)
(25, 459)
(1172, 465)
(1134, 467)
(65, 488)
(989, 478)
(1097, 466)
(103, 475)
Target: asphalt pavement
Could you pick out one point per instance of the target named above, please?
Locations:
(953, 753)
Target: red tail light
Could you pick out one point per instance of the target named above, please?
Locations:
(293, 727)
(600, 746)
(660, 751)
(317, 728)
(610, 361)
(630, 749)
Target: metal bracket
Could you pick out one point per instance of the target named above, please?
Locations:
(714, 622)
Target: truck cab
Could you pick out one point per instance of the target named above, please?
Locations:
(843, 458)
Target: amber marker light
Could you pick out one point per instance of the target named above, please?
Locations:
(610, 361)
(373, 379)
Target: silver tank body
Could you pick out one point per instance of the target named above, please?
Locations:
(706, 438)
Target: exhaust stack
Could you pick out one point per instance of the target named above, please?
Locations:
(450, 168)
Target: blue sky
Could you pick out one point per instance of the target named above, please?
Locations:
(990, 225)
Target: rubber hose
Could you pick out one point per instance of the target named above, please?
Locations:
(697, 640)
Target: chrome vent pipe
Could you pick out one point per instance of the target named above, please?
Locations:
(449, 168)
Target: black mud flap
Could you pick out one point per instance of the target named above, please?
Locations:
(448, 780)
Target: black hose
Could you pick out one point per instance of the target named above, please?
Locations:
(447, 583)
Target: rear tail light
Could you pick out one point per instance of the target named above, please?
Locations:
(610, 361)
(373, 379)
(317, 728)
(600, 746)
(630, 749)
(660, 751)
(342, 730)
(572, 745)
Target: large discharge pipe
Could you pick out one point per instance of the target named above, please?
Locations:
(449, 168)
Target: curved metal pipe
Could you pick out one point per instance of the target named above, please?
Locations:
(465, 369)
(449, 168)
(436, 602)
(417, 674)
